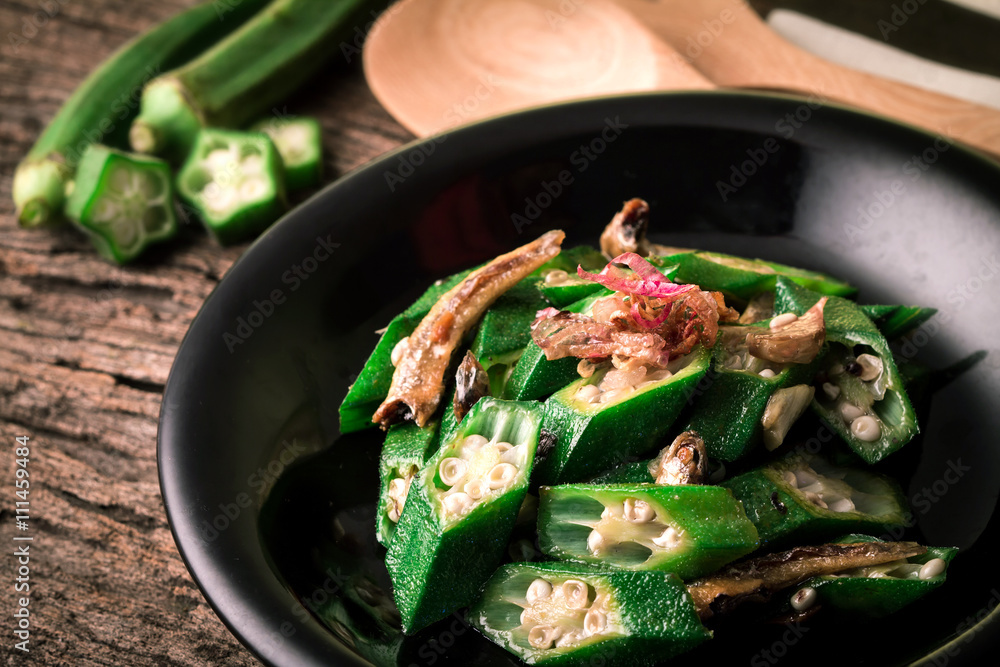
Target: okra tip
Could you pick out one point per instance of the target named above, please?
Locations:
(39, 192)
(145, 138)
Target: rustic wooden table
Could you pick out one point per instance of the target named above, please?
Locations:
(85, 348)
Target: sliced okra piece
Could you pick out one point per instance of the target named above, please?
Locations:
(745, 278)
(372, 385)
(123, 201)
(873, 591)
(689, 530)
(860, 392)
(534, 376)
(235, 182)
(460, 511)
(568, 614)
(561, 286)
(300, 144)
(729, 415)
(406, 448)
(895, 321)
(803, 498)
(612, 415)
(506, 326)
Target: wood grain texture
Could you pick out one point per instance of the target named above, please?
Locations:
(85, 349)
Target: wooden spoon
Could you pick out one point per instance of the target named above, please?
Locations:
(729, 43)
(438, 63)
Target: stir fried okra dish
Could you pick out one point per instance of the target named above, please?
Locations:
(590, 448)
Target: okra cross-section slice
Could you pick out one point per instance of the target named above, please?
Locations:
(372, 385)
(460, 511)
(122, 201)
(534, 376)
(876, 590)
(234, 181)
(744, 278)
(804, 499)
(406, 448)
(602, 420)
(300, 145)
(861, 394)
(688, 530)
(729, 414)
(568, 614)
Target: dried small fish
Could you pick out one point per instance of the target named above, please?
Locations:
(471, 383)
(683, 462)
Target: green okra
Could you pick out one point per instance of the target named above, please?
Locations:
(878, 590)
(372, 385)
(405, 451)
(688, 530)
(244, 75)
(460, 510)
(596, 429)
(124, 202)
(300, 144)
(633, 472)
(569, 614)
(100, 110)
(561, 286)
(534, 376)
(234, 181)
(744, 278)
(804, 499)
(729, 414)
(895, 321)
(506, 327)
(861, 393)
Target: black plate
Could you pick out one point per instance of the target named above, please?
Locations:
(250, 410)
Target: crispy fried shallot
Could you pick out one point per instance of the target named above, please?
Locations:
(471, 383)
(418, 381)
(757, 579)
(797, 341)
(562, 334)
(685, 461)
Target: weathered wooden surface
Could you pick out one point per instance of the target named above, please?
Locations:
(85, 349)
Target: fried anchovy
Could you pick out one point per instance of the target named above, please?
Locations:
(418, 381)
(759, 578)
(683, 462)
(471, 384)
(627, 233)
(795, 343)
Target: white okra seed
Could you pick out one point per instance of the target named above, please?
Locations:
(474, 441)
(782, 320)
(587, 392)
(504, 447)
(576, 594)
(789, 478)
(841, 505)
(831, 390)
(538, 590)
(595, 621)
(543, 636)
(476, 488)
(397, 487)
(452, 470)
(555, 277)
(866, 428)
(804, 598)
(501, 475)
(638, 511)
(836, 369)
(595, 541)
(850, 412)
(871, 367)
(457, 503)
(668, 539)
(931, 569)
(766, 373)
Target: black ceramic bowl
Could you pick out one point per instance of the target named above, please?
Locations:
(273, 509)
